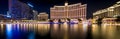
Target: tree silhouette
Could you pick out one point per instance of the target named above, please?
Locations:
(99, 21)
(118, 19)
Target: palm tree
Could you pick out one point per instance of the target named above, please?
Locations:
(99, 21)
(79, 20)
(118, 19)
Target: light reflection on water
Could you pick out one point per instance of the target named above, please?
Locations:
(58, 31)
(105, 32)
(9, 31)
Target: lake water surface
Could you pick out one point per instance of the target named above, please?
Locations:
(59, 31)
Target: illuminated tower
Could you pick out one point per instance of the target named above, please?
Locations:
(11, 3)
(66, 9)
(35, 13)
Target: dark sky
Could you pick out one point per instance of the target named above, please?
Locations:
(44, 5)
(3, 6)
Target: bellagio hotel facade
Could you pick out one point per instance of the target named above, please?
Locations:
(73, 11)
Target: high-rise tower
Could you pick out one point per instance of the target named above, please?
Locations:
(19, 10)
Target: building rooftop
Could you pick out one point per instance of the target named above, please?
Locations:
(100, 11)
(43, 13)
(66, 4)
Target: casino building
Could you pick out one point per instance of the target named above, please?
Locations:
(109, 12)
(43, 16)
(19, 10)
(73, 11)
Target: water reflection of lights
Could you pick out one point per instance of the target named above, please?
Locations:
(55, 27)
(65, 26)
(18, 26)
(106, 31)
(9, 27)
(31, 36)
(43, 29)
(85, 28)
(85, 23)
(95, 29)
(2, 28)
(74, 27)
(109, 31)
(9, 31)
(106, 24)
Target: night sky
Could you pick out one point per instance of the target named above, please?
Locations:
(3, 6)
(44, 5)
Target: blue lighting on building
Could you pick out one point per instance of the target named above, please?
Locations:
(8, 15)
(30, 5)
(19, 10)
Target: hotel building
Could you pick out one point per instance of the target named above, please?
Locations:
(111, 11)
(73, 11)
(43, 16)
(101, 13)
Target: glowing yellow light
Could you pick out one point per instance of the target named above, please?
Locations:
(112, 7)
(118, 2)
(66, 4)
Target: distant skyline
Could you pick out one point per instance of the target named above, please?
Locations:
(44, 5)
